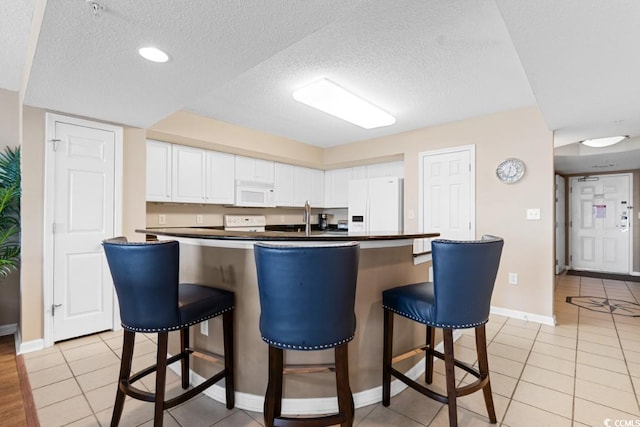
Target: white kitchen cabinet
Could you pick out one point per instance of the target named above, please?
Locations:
(256, 170)
(388, 169)
(283, 184)
(220, 178)
(316, 197)
(188, 172)
(336, 184)
(158, 171)
(358, 172)
(308, 184)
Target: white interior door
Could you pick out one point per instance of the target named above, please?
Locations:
(83, 200)
(600, 223)
(560, 225)
(448, 197)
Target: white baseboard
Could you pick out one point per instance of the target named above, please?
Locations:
(30, 346)
(311, 406)
(523, 315)
(8, 329)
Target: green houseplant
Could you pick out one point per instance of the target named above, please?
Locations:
(9, 210)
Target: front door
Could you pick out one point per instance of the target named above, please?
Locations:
(83, 160)
(600, 223)
(448, 199)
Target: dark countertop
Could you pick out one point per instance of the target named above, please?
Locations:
(329, 235)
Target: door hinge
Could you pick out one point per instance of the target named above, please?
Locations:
(469, 226)
(53, 308)
(54, 144)
(53, 228)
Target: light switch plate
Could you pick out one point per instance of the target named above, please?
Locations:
(533, 214)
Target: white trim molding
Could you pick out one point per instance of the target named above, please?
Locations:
(31, 346)
(523, 315)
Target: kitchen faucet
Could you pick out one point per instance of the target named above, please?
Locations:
(307, 218)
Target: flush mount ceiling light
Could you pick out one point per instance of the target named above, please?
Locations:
(603, 142)
(326, 96)
(153, 54)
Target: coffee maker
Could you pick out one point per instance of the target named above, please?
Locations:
(323, 221)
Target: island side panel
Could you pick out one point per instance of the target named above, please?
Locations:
(234, 269)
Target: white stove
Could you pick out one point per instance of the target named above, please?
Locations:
(245, 223)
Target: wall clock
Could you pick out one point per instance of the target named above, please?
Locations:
(510, 170)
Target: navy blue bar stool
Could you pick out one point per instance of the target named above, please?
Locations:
(152, 300)
(464, 273)
(307, 300)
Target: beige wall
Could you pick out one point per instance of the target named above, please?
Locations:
(500, 208)
(33, 128)
(133, 202)
(9, 137)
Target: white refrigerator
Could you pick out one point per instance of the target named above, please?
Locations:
(375, 205)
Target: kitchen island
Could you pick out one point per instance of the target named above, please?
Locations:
(225, 259)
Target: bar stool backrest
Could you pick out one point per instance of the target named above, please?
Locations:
(464, 273)
(145, 276)
(307, 294)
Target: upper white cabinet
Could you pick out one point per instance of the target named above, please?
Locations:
(336, 186)
(158, 171)
(284, 184)
(189, 165)
(257, 170)
(382, 170)
(177, 173)
(308, 184)
(220, 178)
(317, 188)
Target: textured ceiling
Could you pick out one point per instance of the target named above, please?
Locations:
(425, 62)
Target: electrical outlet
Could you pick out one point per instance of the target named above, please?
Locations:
(204, 328)
(162, 219)
(533, 214)
(513, 278)
(411, 214)
(199, 219)
(282, 219)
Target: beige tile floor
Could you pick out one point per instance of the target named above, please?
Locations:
(584, 371)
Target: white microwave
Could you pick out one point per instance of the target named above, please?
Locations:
(255, 194)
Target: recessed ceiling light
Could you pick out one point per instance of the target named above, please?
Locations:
(332, 99)
(153, 54)
(603, 142)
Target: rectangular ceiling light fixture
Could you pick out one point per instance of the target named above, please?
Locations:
(332, 99)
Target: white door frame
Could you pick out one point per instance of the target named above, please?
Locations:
(472, 177)
(49, 187)
(631, 212)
